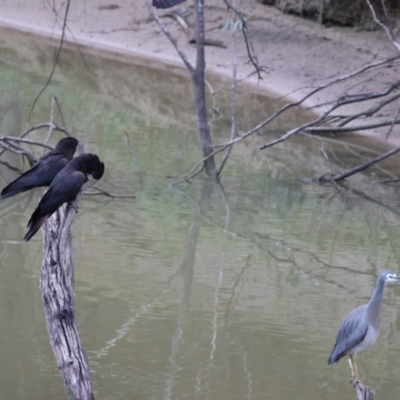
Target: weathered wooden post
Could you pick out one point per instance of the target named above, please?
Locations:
(57, 289)
(363, 392)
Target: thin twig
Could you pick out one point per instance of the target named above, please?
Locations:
(51, 120)
(168, 34)
(333, 129)
(78, 46)
(14, 148)
(322, 129)
(388, 31)
(8, 165)
(111, 195)
(233, 97)
(385, 181)
(190, 175)
(217, 112)
(344, 100)
(62, 129)
(59, 110)
(328, 161)
(105, 193)
(9, 139)
(135, 160)
(391, 126)
(56, 60)
(250, 52)
(369, 112)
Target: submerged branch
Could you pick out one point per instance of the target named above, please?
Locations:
(365, 165)
(324, 117)
(257, 128)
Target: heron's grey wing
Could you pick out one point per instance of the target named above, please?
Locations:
(350, 334)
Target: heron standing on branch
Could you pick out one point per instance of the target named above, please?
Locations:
(360, 328)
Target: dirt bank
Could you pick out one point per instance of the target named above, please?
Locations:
(298, 53)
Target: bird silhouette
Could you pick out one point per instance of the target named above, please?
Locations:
(166, 3)
(45, 170)
(64, 188)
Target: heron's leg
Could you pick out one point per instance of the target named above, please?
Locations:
(354, 369)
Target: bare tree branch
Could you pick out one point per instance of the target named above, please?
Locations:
(369, 112)
(350, 128)
(15, 148)
(250, 52)
(59, 110)
(343, 100)
(62, 129)
(37, 127)
(9, 139)
(78, 46)
(361, 167)
(191, 174)
(9, 166)
(110, 195)
(392, 125)
(168, 34)
(388, 31)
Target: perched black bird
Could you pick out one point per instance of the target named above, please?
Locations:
(64, 188)
(166, 3)
(44, 171)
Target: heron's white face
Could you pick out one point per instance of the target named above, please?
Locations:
(391, 276)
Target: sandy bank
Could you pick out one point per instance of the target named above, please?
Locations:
(298, 54)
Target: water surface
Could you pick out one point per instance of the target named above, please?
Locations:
(197, 291)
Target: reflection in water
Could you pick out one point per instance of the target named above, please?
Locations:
(186, 270)
(274, 266)
(206, 374)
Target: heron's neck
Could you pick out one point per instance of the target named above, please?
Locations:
(374, 304)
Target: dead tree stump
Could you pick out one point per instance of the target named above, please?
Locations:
(57, 289)
(363, 392)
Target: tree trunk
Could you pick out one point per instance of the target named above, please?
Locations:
(57, 288)
(198, 77)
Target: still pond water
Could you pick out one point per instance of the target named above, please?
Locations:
(196, 291)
